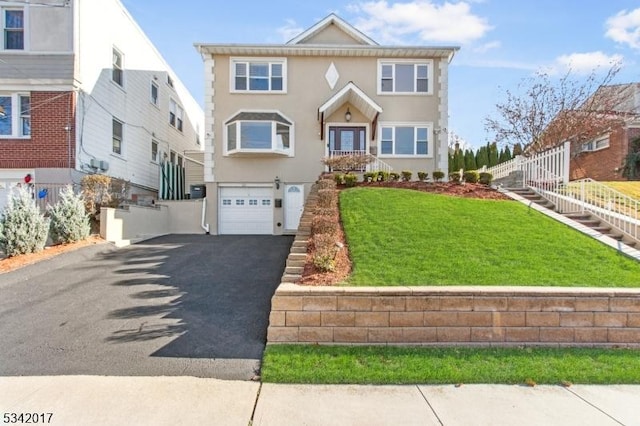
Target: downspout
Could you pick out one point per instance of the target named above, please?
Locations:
(203, 225)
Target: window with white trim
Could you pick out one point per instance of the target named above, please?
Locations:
(176, 114)
(596, 144)
(117, 74)
(13, 24)
(405, 140)
(154, 151)
(118, 133)
(405, 77)
(258, 75)
(154, 93)
(172, 157)
(259, 132)
(15, 115)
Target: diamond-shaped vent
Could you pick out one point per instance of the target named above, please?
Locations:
(332, 76)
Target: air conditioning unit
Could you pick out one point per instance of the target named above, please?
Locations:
(104, 165)
(94, 163)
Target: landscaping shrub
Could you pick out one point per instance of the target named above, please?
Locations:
(326, 184)
(370, 176)
(23, 229)
(69, 219)
(455, 177)
(438, 175)
(470, 176)
(347, 163)
(406, 175)
(485, 178)
(422, 176)
(350, 180)
(324, 225)
(383, 176)
(325, 211)
(102, 191)
(339, 178)
(325, 252)
(327, 198)
(394, 176)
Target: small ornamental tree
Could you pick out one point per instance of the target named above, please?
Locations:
(69, 219)
(23, 229)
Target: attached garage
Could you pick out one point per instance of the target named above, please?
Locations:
(245, 210)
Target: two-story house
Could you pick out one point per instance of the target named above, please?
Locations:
(83, 90)
(272, 112)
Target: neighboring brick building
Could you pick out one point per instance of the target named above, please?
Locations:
(603, 158)
(83, 90)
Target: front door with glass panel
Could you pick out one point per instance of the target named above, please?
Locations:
(347, 140)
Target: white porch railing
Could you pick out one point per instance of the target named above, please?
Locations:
(376, 164)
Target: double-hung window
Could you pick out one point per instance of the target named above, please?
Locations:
(176, 114)
(118, 68)
(15, 115)
(154, 151)
(259, 132)
(258, 75)
(405, 140)
(596, 144)
(154, 93)
(13, 29)
(405, 77)
(118, 133)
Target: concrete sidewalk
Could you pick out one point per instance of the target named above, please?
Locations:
(99, 400)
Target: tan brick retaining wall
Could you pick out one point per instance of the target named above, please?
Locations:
(496, 316)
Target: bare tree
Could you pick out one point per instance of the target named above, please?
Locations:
(546, 112)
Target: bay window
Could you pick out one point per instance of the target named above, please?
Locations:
(259, 132)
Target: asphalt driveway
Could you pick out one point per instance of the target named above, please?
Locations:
(179, 305)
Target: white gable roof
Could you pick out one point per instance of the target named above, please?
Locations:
(333, 19)
(356, 97)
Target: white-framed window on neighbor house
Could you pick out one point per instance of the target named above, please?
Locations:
(169, 81)
(154, 93)
(405, 140)
(596, 144)
(258, 75)
(405, 77)
(172, 157)
(13, 28)
(176, 114)
(259, 132)
(118, 136)
(154, 151)
(15, 115)
(117, 74)
(180, 162)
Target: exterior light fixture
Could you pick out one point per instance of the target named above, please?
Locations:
(347, 115)
(277, 182)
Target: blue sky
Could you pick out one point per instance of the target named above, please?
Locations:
(502, 41)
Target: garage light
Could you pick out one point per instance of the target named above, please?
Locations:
(277, 181)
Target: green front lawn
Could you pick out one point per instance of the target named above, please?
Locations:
(398, 365)
(405, 237)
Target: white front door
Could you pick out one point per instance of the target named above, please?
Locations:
(293, 206)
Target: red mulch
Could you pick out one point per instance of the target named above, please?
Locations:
(312, 276)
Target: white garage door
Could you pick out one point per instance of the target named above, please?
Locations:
(246, 210)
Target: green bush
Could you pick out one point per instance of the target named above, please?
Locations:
(383, 176)
(455, 177)
(325, 252)
(350, 180)
(23, 229)
(422, 176)
(471, 176)
(485, 178)
(370, 176)
(339, 178)
(406, 175)
(438, 175)
(394, 176)
(69, 219)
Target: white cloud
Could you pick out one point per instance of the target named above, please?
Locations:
(585, 63)
(484, 48)
(289, 30)
(394, 23)
(624, 27)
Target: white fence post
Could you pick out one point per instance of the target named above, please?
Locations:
(567, 162)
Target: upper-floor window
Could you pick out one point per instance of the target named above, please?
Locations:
(176, 114)
(118, 133)
(405, 140)
(259, 132)
(15, 115)
(154, 93)
(13, 29)
(118, 68)
(172, 157)
(596, 144)
(169, 81)
(405, 77)
(154, 151)
(258, 75)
